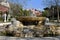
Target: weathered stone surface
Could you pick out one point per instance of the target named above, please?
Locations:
(16, 23)
(39, 31)
(58, 30)
(31, 26)
(27, 18)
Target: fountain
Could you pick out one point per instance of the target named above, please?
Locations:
(32, 20)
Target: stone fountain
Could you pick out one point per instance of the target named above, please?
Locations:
(27, 19)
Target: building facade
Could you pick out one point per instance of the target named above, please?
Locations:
(35, 12)
(4, 9)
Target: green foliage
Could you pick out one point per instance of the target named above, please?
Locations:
(18, 11)
(56, 3)
(17, 8)
(45, 13)
(26, 13)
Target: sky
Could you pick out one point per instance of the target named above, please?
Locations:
(36, 4)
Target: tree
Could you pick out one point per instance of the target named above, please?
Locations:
(26, 13)
(45, 13)
(17, 7)
(18, 10)
(56, 3)
(20, 2)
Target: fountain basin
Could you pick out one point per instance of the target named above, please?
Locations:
(28, 18)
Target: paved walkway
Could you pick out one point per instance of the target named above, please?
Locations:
(18, 38)
(52, 23)
(2, 23)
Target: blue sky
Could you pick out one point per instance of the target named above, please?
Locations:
(37, 4)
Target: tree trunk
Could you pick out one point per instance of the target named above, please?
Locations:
(53, 13)
(57, 15)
